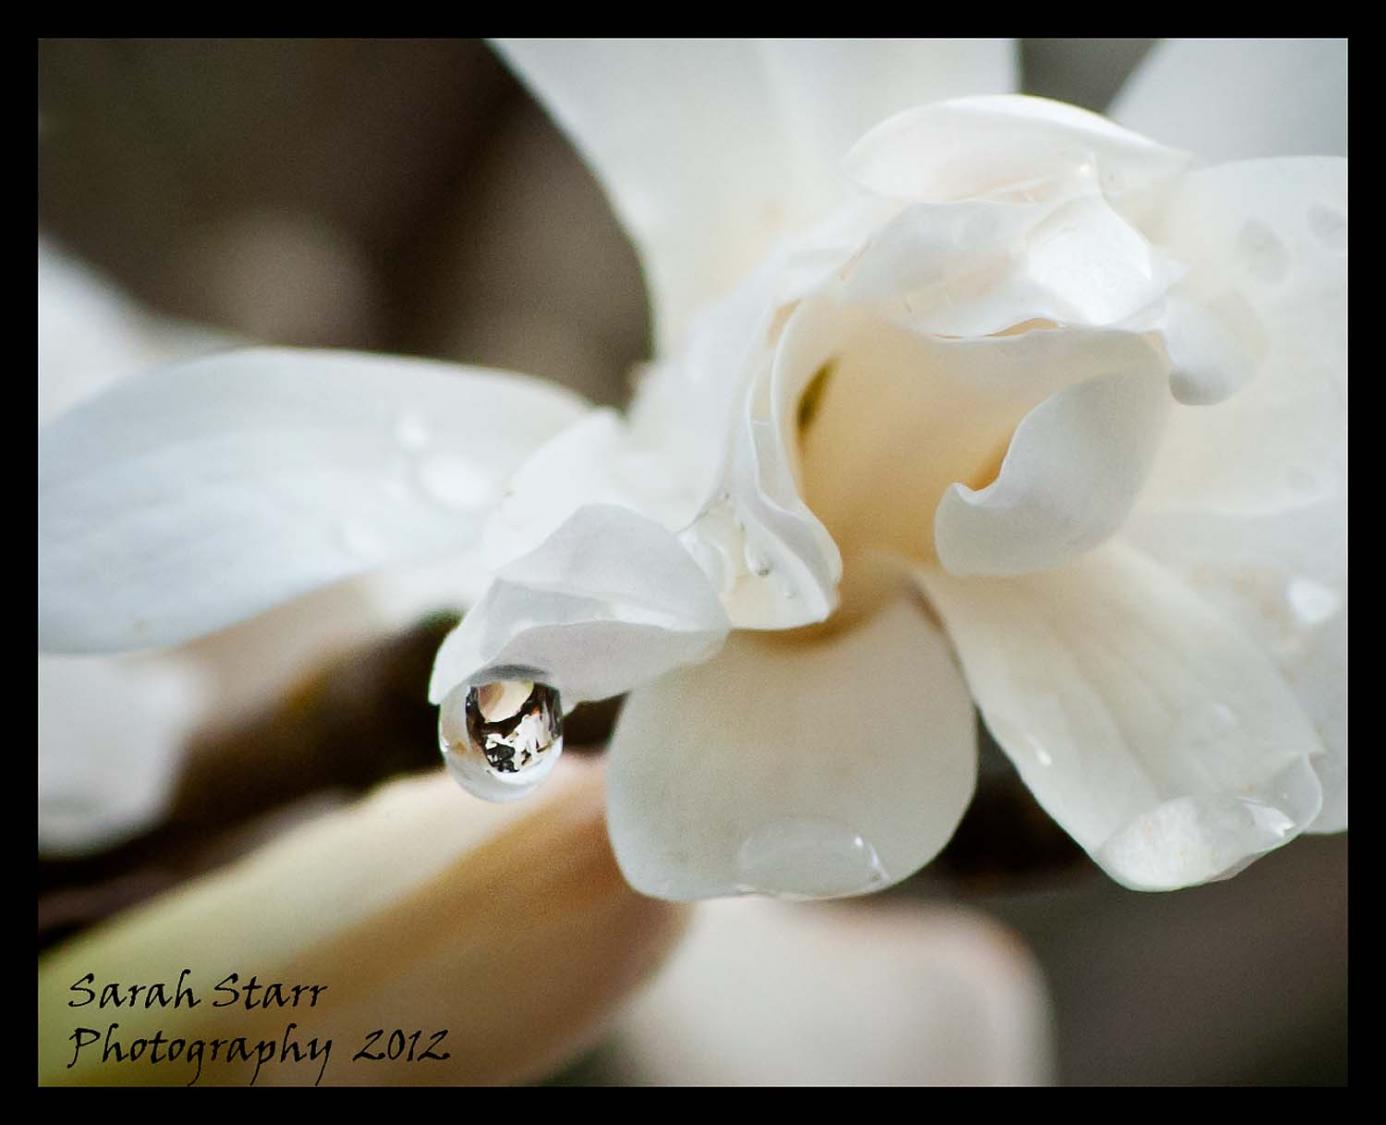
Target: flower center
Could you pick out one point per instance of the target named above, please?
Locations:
(885, 426)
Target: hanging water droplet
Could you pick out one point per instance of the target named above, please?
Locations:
(805, 857)
(501, 739)
(757, 561)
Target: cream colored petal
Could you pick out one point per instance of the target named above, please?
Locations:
(953, 405)
(795, 766)
(770, 993)
(1232, 99)
(1073, 469)
(1160, 737)
(418, 908)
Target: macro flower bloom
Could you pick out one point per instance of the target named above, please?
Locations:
(1012, 406)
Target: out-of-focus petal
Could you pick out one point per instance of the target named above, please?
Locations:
(109, 735)
(1003, 146)
(609, 601)
(1069, 478)
(1157, 735)
(829, 92)
(794, 766)
(770, 993)
(710, 151)
(200, 494)
(90, 334)
(508, 925)
(1233, 99)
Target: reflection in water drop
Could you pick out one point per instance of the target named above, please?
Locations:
(501, 739)
(808, 857)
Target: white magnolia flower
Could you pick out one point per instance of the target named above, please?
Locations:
(1013, 388)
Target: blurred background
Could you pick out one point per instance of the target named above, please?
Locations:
(409, 196)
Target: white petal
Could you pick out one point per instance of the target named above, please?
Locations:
(1248, 497)
(1001, 145)
(981, 267)
(110, 734)
(1231, 99)
(829, 92)
(775, 993)
(710, 150)
(1269, 236)
(609, 601)
(1282, 579)
(600, 459)
(90, 334)
(1070, 476)
(810, 768)
(205, 492)
(1155, 733)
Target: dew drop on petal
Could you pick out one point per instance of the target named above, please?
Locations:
(1205, 729)
(451, 482)
(1312, 602)
(501, 739)
(1329, 226)
(1262, 254)
(757, 561)
(411, 431)
(808, 857)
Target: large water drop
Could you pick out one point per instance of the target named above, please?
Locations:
(501, 739)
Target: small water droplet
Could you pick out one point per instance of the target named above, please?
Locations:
(1313, 602)
(1262, 253)
(1329, 226)
(1205, 729)
(501, 739)
(808, 857)
(450, 481)
(757, 561)
(411, 431)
